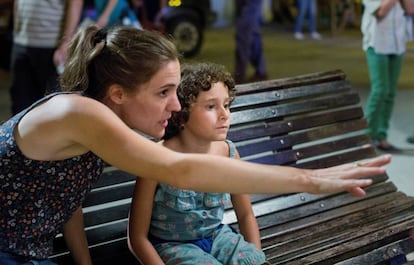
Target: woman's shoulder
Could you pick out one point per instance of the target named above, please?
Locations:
(62, 124)
(63, 110)
(74, 103)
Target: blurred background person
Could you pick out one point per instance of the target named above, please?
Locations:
(6, 30)
(306, 9)
(114, 12)
(41, 33)
(386, 29)
(346, 14)
(249, 46)
(150, 12)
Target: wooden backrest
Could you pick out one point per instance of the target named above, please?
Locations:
(308, 121)
(316, 121)
(296, 121)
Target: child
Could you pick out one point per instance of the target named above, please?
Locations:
(174, 226)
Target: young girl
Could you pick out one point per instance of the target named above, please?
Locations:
(185, 226)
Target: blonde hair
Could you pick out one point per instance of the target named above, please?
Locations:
(98, 58)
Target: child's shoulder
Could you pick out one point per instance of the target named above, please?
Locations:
(225, 148)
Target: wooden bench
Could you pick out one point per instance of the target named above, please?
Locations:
(308, 121)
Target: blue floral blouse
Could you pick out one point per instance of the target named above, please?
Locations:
(38, 197)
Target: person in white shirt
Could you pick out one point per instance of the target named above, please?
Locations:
(386, 29)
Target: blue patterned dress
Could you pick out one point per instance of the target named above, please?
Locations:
(38, 197)
(186, 228)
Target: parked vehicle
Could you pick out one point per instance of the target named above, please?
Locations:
(186, 21)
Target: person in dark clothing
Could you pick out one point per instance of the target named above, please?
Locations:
(6, 34)
(249, 47)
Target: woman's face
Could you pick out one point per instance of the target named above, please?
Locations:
(149, 108)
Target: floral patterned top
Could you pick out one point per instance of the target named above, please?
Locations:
(181, 215)
(38, 197)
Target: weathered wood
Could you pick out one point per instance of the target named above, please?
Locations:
(369, 228)
(316, 125)
(309, 121)
(265, 129)
(295, 81)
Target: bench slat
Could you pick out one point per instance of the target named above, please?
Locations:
(109, 214)
(358, 213)
(355, 232)
(110, 194)
(299, 211)
(275, 144)
(113, 176)
(273, 97)
(283, 231)
(263, 129)
(291, 158)
(98, 235)
(294, 108)
(114, 252)
(376, 256)
(334, 160)
(327, 252)
(300, 80)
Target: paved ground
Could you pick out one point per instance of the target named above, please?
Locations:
(401, 170)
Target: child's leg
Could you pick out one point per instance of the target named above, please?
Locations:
(184, 254)
(231, 248)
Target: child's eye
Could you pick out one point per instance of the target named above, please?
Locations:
(210, 106)
(227, 106)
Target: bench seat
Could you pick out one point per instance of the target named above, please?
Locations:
(307, 121)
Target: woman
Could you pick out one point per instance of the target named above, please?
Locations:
(118, 82)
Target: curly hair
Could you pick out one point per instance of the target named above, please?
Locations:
(196, 78)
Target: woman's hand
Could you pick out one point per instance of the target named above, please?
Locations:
(348, 176)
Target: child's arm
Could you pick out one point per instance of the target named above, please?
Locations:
(139, 222)
(245, 216)
(75, 238)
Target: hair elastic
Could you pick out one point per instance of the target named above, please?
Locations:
(100, 36)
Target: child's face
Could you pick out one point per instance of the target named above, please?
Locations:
(210, 114)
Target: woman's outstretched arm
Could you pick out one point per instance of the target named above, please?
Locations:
(68, 125)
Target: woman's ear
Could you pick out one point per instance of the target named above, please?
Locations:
(116, 93)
